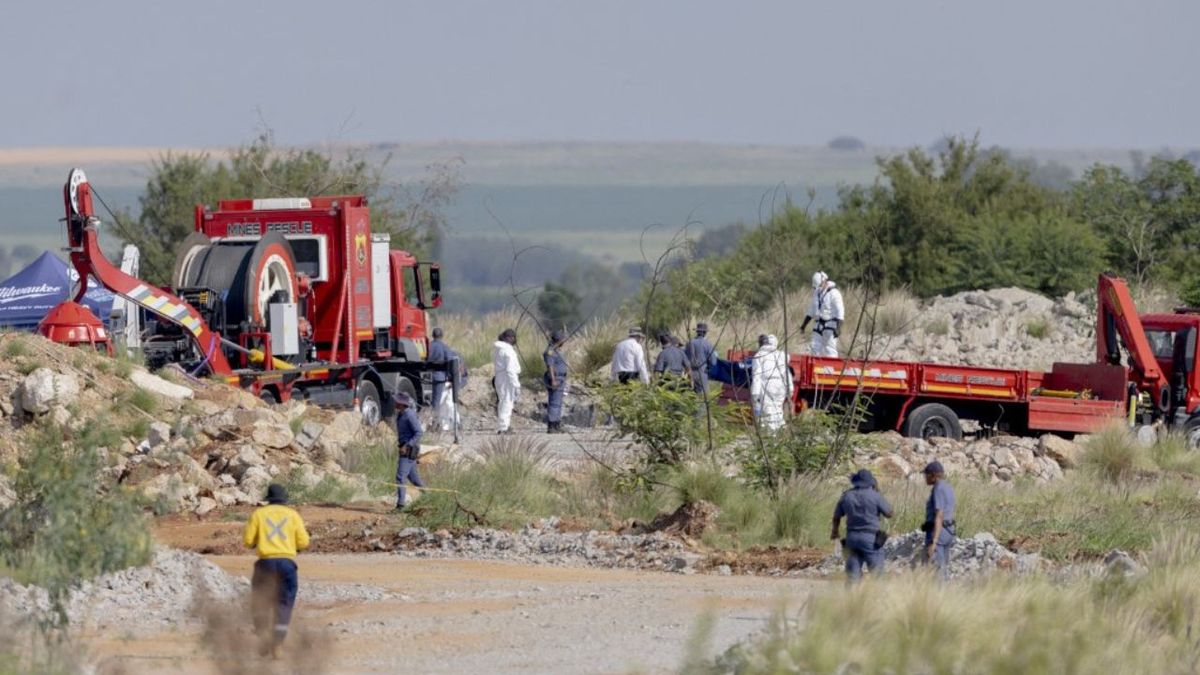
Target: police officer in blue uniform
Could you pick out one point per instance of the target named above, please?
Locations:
(408, 438)
(671, 361)
(438, 356)
(556, 381)
(939, 524)
(861, 506)
(701, 356)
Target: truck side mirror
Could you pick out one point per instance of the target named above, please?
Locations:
(434, 299)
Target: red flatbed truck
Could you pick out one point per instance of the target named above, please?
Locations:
(1145, 372)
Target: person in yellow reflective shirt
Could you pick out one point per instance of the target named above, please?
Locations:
(277, 532)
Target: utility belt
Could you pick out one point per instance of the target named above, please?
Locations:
(947, 525)
(409, 451)
(824, 324)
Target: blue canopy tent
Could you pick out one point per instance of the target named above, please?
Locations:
(30, 294)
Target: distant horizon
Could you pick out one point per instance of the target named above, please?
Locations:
(868, 144)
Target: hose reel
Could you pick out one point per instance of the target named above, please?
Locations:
(249, 274)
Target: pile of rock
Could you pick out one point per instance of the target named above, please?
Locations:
(165, 592)
(543, 543)
(205, 445)
(1004, 327)
(970, 556)
(998, 459)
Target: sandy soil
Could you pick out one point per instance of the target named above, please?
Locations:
(455, 616)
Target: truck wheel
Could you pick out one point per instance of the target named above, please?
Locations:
(933, 420)
(268, 395)
(1191, 431)
(368, 403)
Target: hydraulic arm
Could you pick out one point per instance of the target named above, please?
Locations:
(88, 259)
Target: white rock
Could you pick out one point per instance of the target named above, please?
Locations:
(277, 436)
(1067, 454)
(44, 388)
(310, 432)
(254, 481)
(206, 506)
(159, 434)
(157, 385)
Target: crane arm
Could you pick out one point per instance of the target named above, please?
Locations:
(1117, 317)
(88, 259)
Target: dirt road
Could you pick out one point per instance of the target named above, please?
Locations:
(461, 616)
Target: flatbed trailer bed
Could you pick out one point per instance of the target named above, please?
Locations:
(929, 399)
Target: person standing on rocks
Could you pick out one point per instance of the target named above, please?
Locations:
(439, 358)
(506, 366)
(770, 382)
(829, 312)
(939, 519)
(861, 506)
(408, 437)
(629, 359)
(701, 355)
(556, 381)
(277, 532)
(671, 365)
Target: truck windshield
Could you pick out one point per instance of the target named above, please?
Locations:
(1162, 342)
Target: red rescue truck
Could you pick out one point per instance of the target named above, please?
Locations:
(290, 297)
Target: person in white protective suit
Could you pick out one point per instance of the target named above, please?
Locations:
(507, 368)
(770, 382)
(829, 312)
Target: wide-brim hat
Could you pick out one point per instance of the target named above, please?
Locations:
(401, 398)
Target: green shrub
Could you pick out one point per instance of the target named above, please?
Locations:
(896, 312)
(141, 399)
(63, 526)
(375, 461)
(14, 346)
(1114, 454)
(661, 420)
(1039, 328)
(329, 490)
(1172, 453)
(939, 327)
(508, 486)
(802, 446)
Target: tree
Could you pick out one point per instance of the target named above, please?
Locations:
(558, 307)
(1149, 220)
(413, 215)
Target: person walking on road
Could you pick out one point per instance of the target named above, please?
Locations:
(671, 364)
(629, 359)
(939, 527)
(770, 382)
(861, 506)
(701, 355)
(828, 310)
(408, 440)
(506, 366)
(556, 381)
(277, 532)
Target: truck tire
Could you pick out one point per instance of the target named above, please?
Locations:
(369, 403)
(933, 420)
(1191, 431)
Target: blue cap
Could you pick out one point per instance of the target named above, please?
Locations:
(863, 478)
(934, 467)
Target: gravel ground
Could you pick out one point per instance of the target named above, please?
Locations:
(456, 616)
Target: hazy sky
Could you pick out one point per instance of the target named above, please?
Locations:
(1023, 72)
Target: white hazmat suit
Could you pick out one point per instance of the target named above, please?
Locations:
(770, 384)
(507, 368)
(828, 312)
